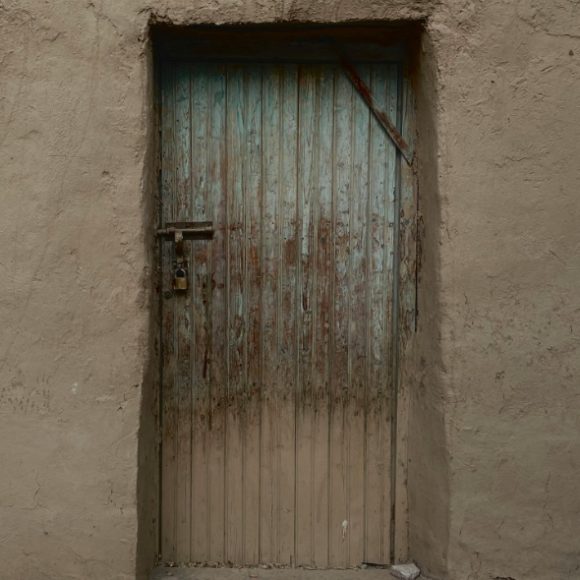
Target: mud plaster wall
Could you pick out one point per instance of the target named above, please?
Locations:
(494, 442)
(505, 366)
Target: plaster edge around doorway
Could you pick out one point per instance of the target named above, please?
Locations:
(148, 438)
(428, 460)
(423, 463)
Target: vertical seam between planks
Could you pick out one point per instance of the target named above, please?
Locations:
(261, 311)
(244, 249)
(395, 319)
(227, 308)
(389, 261)
(332, 381)
(315, 197)
(368, 314)
(279, 294)
(297, 325)
(208, 212)
(278, 289)
(192, 326)
(212, 73)
(384, 548)
(351, 394)
(174, 329)
(160, 87)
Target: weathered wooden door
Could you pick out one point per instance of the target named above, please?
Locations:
(277, 370)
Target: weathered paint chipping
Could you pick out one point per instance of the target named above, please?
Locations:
(300, 417)
(380, 115)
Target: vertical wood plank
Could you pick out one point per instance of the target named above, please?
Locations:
(357, 331)
(201, 330)
(306, 192)
(182, 305)
(217, 193)
(339, 419)
(382, 161)
(271, 120)
(286, 340)
(236, 267)
(252, 192)
(322, 362)
(169, 406)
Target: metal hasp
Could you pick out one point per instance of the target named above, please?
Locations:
(178, 231)
(381, 116)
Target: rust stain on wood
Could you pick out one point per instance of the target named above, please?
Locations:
(365, 92)
(277, 363)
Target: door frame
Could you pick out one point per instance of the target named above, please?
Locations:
(285, 43)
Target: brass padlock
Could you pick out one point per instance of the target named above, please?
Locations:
(180, 279)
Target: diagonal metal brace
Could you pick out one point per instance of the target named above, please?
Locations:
(381, 116)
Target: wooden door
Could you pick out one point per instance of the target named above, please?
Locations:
(277, 369)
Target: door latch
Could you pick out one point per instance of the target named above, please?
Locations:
(178, 231)
(189, 230)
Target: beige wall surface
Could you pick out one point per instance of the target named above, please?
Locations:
(494, 434)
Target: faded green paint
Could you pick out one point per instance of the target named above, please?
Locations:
(278, 363)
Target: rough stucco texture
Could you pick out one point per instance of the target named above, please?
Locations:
(494, 443)
(508, 286)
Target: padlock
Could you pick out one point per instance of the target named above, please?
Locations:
(180, 279)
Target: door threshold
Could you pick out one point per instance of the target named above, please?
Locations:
(187, 573)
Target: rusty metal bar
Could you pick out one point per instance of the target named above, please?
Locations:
(381, 116)
(187, 230)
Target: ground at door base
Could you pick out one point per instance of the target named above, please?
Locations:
(260, 573)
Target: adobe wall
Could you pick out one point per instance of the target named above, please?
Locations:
(494, 430)
(499, 297)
